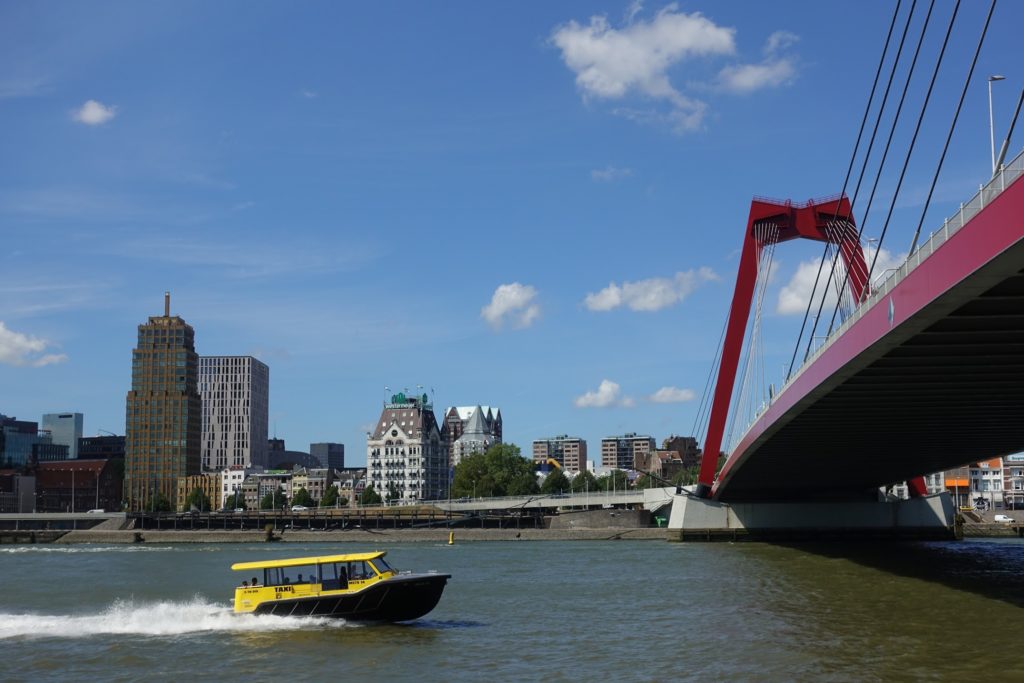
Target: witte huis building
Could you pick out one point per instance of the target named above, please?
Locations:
(407, 459)
(236, 406)
(470, 429)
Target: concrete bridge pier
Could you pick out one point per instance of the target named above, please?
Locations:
(931, 517)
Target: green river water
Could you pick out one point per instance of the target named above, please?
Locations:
(532, 611)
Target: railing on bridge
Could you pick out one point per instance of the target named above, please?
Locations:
(985, 195)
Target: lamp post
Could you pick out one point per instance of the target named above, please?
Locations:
(991, 124)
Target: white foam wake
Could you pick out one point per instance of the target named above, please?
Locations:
(68, 549)
(152, 619)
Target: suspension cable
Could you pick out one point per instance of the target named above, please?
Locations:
(863, 170)
(849, 169)
(952, 127)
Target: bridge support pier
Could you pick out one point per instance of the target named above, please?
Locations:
(701, 519)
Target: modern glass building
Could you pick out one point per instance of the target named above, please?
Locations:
(236, 409)
(163, 416)
(64, 428)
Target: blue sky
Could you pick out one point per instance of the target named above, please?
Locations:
(533, 206)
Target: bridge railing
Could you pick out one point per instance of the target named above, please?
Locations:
(1005, 177)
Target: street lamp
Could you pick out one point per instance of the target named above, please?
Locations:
(991, 125)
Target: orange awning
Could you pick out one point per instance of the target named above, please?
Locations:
(957, 483)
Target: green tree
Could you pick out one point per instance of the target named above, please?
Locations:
(330, 498)
(393, 493)
(274, 500)
(303, 498)
(616, 480)
(584, 481)
(235, 501)
(501, 471)
(555, 482)
(197, 500)
(686, 477)
(158, 503)
(370, 497)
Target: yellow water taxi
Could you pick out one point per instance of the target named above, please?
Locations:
(356, 587)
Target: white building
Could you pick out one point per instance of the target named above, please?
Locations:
(66, 429)
(232, 478)
(407, 461)
(235, 391)
(477, 436)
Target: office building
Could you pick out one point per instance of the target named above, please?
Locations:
(623, 452)
(23, 443)
(330, 455)
(100, 447)
(568, 451)
(236, 409)
(407, 458)
(64, 428)
(207, 482)
(163, 412)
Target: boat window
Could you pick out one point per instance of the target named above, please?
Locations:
(382, 566)
(281, 576)
(333, 576)
(360, 571)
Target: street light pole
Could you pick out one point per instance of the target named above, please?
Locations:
(991, 124)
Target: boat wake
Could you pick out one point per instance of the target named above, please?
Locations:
(126, 617)
(21, 549)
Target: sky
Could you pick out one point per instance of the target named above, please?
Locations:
(532, 206)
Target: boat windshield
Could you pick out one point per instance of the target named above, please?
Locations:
(382, 566)
(281, 576)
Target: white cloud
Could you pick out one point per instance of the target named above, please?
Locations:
(672, 395)
(94, 113)
(607, 395)
(794, 294)
(649, 295)
(309, 94)
(514, 303)
(611, 63)
(22, 350)
(776, 69)
(609, 173)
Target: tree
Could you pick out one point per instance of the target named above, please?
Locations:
(616, 480)
(330, 498)
(556, 482)
(584, 481)
(235, 501)
(274, 500)
(197, 500)
(303, 498)
(500, 471)
(158, 503)
(370, 497)
(686, 477)
(393, 493)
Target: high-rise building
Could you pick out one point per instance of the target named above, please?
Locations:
(236, 409)
(568, 451)
(407, 460)
(470, 429)
(64, 428)
(330, 455)
(623, 452)
(22, 442)
(163, 416)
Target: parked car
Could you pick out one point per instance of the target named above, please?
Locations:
(97, 511)
(299, 508)
(1005, 519)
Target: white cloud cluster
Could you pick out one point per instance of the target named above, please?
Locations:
(512, 303)
(94, 113)
(612, 62)
(607, 395)
(794, 295)
(610, 173)
(672, 395)
(649, 295)
(776, 69)
(22, 350)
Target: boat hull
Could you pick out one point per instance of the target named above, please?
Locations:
(400, 598)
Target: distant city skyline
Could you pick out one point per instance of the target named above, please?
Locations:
(532, 206)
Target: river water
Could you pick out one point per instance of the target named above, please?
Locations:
(532, 611)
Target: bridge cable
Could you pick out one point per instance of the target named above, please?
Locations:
(864, 165)
(952, 127)
(705, 397)
(853, 157)
(913, 141)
